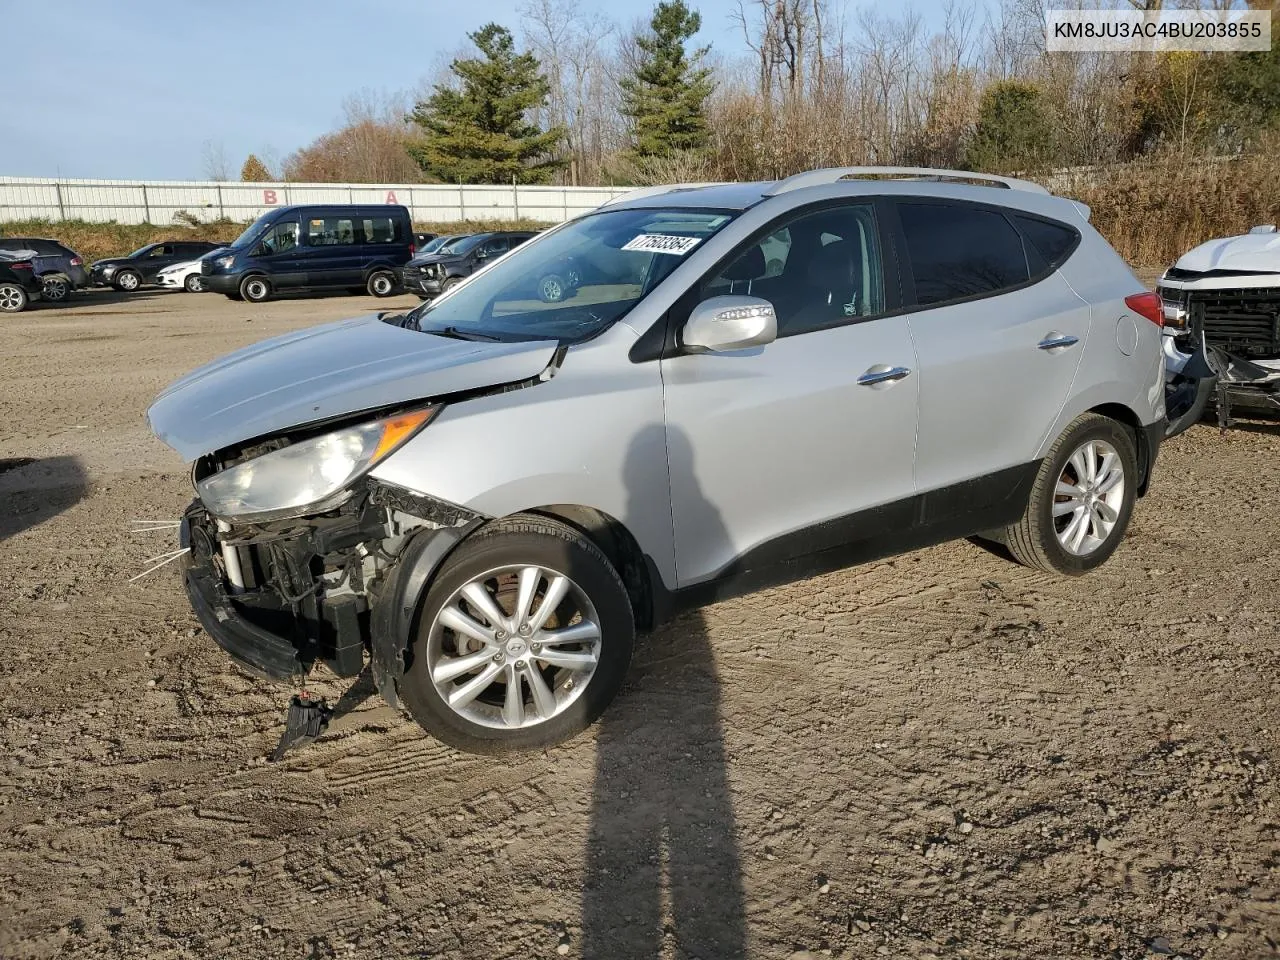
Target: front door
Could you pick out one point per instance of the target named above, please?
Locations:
(781, 452)
(281, 256)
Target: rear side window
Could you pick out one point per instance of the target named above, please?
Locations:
(380, 230)
(1053, 241)
(331, 232)
(958, 252)
(48, 248)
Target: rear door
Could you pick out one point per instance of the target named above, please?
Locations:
(999, 335)
(156, 259)
(786, 451)
(333, 256)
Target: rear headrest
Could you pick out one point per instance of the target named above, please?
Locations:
(831, 268)
(749, 266)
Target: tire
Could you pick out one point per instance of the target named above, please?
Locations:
(553, 288)
(127, 281)
(1053, 544)
(255, 289)
(382, 283)
(193, 283)
(55, 289)
(498, 556)
(450, 284)
(13, 299)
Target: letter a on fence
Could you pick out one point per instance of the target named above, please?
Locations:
(391, 197)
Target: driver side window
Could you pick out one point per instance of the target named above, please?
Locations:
(821, 269)
(280, 238)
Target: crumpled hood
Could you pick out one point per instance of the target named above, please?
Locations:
(1253, 252)
(328, 371)
(435, 258)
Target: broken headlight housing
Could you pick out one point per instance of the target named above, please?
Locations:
(310, 476)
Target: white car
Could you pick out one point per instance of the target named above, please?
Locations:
(182, 276)
(1221, 304)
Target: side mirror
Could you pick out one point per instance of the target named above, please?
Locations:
(722, 324)
(482, 254)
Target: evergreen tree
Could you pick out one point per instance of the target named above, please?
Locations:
(666, 95)
(1014, 131)
(254, 171)
(480, 132)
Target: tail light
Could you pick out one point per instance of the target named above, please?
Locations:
(413, 248)
(77, 262)
(1148, 305)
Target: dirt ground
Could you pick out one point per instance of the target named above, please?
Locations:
(942, 755)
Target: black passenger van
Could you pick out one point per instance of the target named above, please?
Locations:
(319, 247)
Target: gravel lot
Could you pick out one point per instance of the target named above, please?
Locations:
(940, 755)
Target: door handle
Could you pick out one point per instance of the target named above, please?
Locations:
(881, 373)
(1056, 341)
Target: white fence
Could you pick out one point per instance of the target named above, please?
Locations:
(137, 201)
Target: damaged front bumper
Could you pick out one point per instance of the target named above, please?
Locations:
(281, 596)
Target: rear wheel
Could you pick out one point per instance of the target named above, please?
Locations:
(13, 299)
(382, 283)
(193, 283)
(255, 289)
(55, 289)
(1081, 501)
(525, 637)
(127, 281)
(552, 288)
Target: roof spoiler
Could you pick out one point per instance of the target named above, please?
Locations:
(814, 178)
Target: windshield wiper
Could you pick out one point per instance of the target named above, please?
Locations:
(464, 334)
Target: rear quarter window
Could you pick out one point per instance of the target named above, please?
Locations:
(959, 252)
(1054, 242)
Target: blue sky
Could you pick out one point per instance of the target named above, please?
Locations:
(133, 89)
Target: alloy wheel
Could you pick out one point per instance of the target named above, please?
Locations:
(1088, 497)
(128, 281)
(55, 290)
(551, 289)
(514, 647)
(12, 298)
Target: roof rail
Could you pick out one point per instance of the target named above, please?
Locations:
(641, 192)
(815, 178)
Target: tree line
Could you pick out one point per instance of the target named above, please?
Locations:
(572, 97)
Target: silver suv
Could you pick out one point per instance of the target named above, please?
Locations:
(748, 383)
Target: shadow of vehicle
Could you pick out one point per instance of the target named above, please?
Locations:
(662, 857)
(32, 491)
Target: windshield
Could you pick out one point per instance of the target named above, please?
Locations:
(462, 244)
(572, 283)
(431, 246)
(251, 231)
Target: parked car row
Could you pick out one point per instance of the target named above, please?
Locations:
(364, 249)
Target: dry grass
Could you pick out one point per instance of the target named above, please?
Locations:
(94, 241)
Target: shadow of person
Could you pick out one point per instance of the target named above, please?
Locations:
(32, 491)
(663, 874)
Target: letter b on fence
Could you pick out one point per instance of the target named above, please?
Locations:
(269, 198)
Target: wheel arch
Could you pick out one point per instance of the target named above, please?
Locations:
(1128, 418)
(651, 601)
(380, 265)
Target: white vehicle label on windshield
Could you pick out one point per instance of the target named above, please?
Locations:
(662, 243)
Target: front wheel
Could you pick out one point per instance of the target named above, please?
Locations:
(193, 283)
(552, 288)
(127, 281)
(382, 283)
(525, 637)
(13, 299)
(1081, 501)
(255, 289)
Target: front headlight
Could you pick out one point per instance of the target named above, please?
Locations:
(307, 477)
(109, 269)
(225, 262)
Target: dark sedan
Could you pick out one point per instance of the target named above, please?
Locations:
(431, 275)
(142, 266)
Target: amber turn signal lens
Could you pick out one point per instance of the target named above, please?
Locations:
(397, 430)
